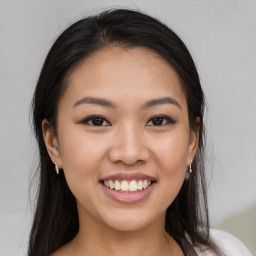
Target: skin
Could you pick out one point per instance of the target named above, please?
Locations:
(127, 142)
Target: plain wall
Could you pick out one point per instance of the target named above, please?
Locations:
(221, 36)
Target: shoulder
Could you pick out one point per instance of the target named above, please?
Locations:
(228, 243)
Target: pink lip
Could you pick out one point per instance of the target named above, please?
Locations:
(125, 197)
(129, 176)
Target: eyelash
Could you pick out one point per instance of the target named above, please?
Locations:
(168, 120)
(94, 117)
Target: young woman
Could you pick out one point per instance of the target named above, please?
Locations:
(118, 116)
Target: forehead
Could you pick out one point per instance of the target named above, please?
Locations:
(117, 72)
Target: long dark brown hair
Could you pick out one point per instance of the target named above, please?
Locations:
(56, 217)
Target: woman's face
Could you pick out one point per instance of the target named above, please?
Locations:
(123, 121)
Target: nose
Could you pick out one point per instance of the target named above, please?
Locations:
(129, 147)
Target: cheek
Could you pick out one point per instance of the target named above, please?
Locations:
(171, 153)
(78, 147)
(171, 158)
(81, 155)
(82, 158)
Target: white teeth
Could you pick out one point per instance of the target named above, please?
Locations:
(125, 185)
(140, 185)
(111, 184)
(133, 186)
(106, 183)
(117, 185)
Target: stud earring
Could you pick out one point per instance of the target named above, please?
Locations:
(56, 168)
(189, 170)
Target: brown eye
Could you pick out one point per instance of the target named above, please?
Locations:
(96, 121)
(160, 121)
(157, 120)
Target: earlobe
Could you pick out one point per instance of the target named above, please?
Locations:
(51, 143)
(193, 141)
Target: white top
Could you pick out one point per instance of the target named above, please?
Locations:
(229, 244)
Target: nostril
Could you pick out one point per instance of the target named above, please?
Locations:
(129, 153)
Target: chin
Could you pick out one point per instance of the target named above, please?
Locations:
(133, 221)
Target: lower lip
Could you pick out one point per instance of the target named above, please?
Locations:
(125, 197)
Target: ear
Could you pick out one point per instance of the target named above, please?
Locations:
(51, 143)
(193, 141)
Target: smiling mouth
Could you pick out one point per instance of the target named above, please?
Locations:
(127, 185)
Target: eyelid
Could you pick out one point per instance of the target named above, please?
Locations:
(89, 118)
(169, 120)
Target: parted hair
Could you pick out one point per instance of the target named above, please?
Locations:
(56, 218)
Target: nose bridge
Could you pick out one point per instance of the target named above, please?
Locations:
(129, 146)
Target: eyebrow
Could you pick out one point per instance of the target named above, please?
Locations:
(107, 103)
(96, 101)
(160, 101)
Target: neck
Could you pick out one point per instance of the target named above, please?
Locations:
(95, 238)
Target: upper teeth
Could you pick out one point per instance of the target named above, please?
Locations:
(125, 185)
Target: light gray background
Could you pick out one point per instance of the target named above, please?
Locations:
(221, 36)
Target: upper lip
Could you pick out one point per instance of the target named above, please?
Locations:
(129, 176)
